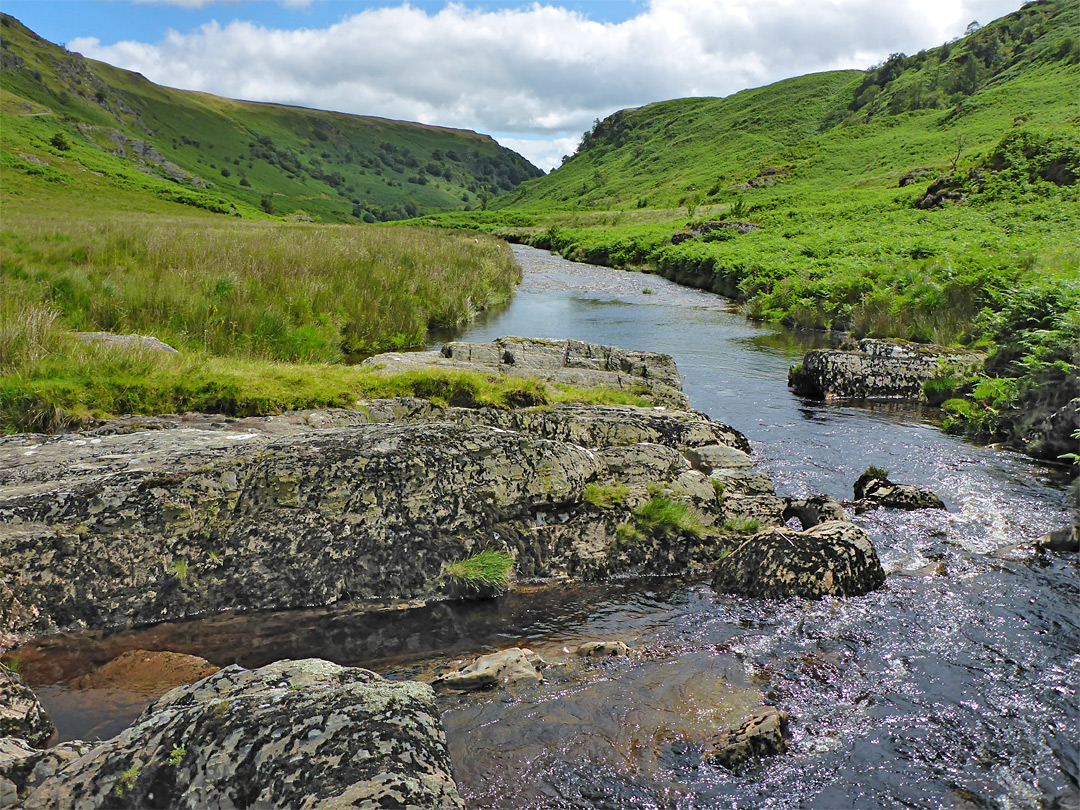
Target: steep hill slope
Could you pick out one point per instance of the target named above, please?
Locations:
(73, 113)
(830, 131)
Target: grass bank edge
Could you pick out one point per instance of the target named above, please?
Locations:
(89, 384)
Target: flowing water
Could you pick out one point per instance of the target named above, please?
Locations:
(953, 686)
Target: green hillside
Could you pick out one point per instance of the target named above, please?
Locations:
(836, 131)
(64, 116)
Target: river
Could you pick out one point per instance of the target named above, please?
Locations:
(953, 686)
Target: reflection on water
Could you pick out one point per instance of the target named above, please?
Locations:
(953, 686)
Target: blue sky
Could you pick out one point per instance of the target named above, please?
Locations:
(114, 20)
(533, 75)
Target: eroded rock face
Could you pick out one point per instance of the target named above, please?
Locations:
(300, 734)
(834, 558)
(877, 491)
(21, 714)
(878, 369)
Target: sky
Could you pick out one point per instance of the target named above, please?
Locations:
(532, 75)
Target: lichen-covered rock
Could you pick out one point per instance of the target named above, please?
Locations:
(21, 713)
(834, 558)
(814, 510)
(512, 666)
(875, 489)
(878, 369)
(763, 734)
(156, 519)
(298, 734)
(23, 767)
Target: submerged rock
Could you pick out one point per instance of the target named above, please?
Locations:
(602, 649)
(878, 369)
(146, 672)
(302, 734)
(21, 714)
(1067, 538)
(875, 490)
(515, 665)
(763, 734)
(834, 558)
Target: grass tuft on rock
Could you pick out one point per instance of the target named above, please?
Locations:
(667, 516)
(605, 496)
(488, 569)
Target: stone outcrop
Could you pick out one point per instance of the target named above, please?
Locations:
(21, 714)
(303, 734)
(833, 558)
(567, 362)
(150, 519)
(874, 490)
(878, 369)
(763, 734)
(24, 768)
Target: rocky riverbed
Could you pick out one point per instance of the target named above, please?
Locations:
(143, 520)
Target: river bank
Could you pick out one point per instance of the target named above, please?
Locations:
(864, 679)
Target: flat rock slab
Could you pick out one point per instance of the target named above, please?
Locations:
(569, 362)
(299, 734)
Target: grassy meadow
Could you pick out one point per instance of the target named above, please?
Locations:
(265, 315)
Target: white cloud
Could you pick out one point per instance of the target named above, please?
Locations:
(540, 71)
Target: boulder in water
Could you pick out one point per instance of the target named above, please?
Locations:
(291, 734)
(834, 558)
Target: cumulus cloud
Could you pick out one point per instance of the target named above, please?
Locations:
(540, 72)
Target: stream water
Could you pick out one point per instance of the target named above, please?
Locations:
(953, 686)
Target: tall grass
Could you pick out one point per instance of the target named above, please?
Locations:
(252, 289)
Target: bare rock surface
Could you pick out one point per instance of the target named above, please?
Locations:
(877, 369)
(298, 734)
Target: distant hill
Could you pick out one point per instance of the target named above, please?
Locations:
(65, 115)
(830, 131)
